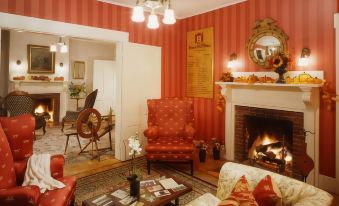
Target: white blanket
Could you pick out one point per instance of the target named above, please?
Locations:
(38, 172)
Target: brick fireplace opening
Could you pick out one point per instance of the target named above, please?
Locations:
(269, 139)
(47, 103)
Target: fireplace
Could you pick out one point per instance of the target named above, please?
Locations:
(47, 104)
(269, 139)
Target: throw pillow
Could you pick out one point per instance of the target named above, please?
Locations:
(267, 193)
(240, 195)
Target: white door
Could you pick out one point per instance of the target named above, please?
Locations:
(140, 80)
(104, 79)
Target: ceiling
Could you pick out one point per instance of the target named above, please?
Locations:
(185, 8)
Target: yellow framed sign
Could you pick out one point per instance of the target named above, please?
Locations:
(200, 63)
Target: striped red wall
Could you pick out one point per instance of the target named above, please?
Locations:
(307, 23)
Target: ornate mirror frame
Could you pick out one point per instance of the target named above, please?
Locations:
(266, 27)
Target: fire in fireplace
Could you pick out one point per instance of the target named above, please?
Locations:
(47, 105)
(269, 142)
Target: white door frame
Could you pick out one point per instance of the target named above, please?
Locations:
(336, 26)
(17, 22)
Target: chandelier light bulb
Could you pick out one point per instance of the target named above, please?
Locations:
(169, 17)
(153, 22)
(64, 48)
(138, 14)
(53, 48)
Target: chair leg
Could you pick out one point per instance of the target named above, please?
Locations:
(44, 127)
(110, 140)
(62, 125)
(78, 141)
(148, 166)
(66, 144)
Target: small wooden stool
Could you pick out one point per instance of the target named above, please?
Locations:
(72, 134)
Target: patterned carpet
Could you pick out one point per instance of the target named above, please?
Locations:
(107, 181)
(54, 142)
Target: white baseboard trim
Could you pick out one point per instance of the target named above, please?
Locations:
(329, 184)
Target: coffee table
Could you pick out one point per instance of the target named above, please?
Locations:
(145, 195)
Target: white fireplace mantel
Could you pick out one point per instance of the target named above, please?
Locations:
(40, 87)
(303, 98)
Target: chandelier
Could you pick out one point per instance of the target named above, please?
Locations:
(153, 22)
(61, 44)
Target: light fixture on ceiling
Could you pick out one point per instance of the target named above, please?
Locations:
(153, 22)
(304, 59)
(61, 44)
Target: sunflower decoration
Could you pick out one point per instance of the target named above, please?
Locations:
(279, 62)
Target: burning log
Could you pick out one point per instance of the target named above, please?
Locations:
(264, 148)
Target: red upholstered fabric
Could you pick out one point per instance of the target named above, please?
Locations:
(22, 142)
(20, 196)
(267, 193)
(7, 173)
(240, 195)
(20, 134)
(59, 197)
(170, 129)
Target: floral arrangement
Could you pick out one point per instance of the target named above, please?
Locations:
(217, 144)
(278, 60)
(75, 90)
(202, 145)
(134, 145)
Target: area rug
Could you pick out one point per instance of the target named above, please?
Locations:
(103, 182)
(54, 142)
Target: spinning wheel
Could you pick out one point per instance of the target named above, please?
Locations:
(88, 125)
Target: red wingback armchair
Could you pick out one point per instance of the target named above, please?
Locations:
(16, 146)
(170, 131)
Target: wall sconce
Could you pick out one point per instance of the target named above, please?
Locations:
(304, 57)
(61, 64)
(18, 62)
(232, 63)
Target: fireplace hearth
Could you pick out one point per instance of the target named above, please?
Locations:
(269, 139)
(47, 104)
(269, 142)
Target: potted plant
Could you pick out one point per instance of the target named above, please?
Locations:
(202, 151)
(135, 149)
(217, 147)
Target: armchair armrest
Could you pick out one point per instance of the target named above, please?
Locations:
(23, 196)
(189, 132)
(151, 133)
(57, 166)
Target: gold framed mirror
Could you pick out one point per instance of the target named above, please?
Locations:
(78, 70)
(267, 38)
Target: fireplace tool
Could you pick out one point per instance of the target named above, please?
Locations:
(304, 163)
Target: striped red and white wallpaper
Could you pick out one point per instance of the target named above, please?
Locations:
(307, 23)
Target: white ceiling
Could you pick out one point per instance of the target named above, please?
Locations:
(185, 8)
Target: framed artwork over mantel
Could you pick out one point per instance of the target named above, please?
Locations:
(40, 59)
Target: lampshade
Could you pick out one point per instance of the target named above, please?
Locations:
(53, 48)
(64, 48)
(169, 17)
(303, 61)
(153, 22)
(138, 14)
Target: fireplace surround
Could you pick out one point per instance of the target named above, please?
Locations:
(299, 98)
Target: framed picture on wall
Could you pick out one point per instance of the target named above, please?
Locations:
(40, 59)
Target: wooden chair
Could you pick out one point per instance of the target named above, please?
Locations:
(72, 116)
(19, 102)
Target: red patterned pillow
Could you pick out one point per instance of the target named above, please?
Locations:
(7, 172)
(267, 193)
(240, 195)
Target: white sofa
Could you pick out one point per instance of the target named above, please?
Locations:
(294, 192)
